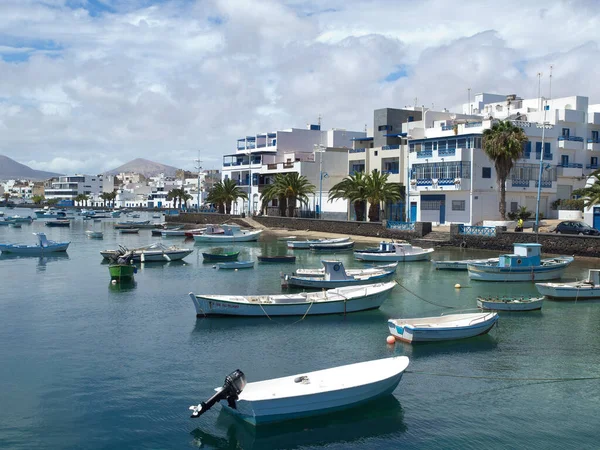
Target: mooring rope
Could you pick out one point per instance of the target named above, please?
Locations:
(424, 299)
(485, 377)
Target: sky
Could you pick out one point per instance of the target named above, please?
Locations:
(87, 85)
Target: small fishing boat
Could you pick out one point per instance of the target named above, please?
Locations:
(306, 394)
(115, 214)
(510, 303)
(277, 259)
(222, 256)
(332, 246)
(525, 264)
(577, 290)
(43, 247)
(16, 225)
(136, 224)
(235, 265)
(307, 243)
(129, 230)
(94, 234)
(335, 275)
(58, 223)
(19, 219)
(461, 264)
(287, 238)
(355, 272)
(231, 233)
(333, 301)
(442, 328)
(156, 252)
(394, 251)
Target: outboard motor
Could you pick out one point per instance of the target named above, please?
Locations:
(234, 383)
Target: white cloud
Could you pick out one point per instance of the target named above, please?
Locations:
(165, 80)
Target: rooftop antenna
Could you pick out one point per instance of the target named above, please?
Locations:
(550, 93)
(319, 120)
(469, 100)
(415, 103)
(365, 127)
(539, 75)
(198, 167)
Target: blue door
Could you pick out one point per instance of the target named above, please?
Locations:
(597, 217)
(413, 211)
(443, 212)
(564, 160)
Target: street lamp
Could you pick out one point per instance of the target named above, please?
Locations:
(321, 175)
(250, 184)
(543, 126)
(199, 168)
(409, 172)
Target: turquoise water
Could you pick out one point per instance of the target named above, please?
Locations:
(84, 364)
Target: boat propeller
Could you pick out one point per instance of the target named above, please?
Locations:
(233, 385)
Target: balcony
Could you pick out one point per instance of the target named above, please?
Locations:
(519, 183)
(424, 154)
(447, 152)
(545, 184)
(570, 115)
(593, 145)
(570, 170)
(570, 142)
(423, 182)
(547, 156)
(473, 124)
(357, 150)
(592, 166)
(390, 147)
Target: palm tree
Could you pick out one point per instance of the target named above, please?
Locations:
(6, 196)
(37, 199)
(173, 195)
(378, 190)
(225, 193)
(591, 192)
(112, 197)
(503, 144)
(105, 196)
(353, 189)
(296, 188)
(273, 191)
(80, 198)
(185, 197)
(215, 196)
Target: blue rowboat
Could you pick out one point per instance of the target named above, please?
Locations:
(43, 248)
(235, 265)
(277, 259)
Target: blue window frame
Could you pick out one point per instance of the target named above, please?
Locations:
(564, 160)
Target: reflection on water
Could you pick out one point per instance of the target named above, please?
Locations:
(374, 419)
(483, 343)
(122, 286)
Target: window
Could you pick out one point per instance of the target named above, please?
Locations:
(566, 132)
(564, 160)
(375, 152)
(514, 206)
(274, 202)
(458, 205)
(430, 205)
(594, 161)
(384, 128)
(411, 119)
(595, 136)
(486, 172)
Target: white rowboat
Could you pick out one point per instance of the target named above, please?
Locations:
(394, 251)
(354, 272)
(510, 304)
(306, 394)
(461, 264)
(233, 233)
(235, 265)
(307, 243)
(333, 301)
(577, 290)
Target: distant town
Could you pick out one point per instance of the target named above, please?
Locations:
(436, 157)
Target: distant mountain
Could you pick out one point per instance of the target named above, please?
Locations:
(145, 167)
(10, 170)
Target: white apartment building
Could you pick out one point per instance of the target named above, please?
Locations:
(69, 187)
(320, 155)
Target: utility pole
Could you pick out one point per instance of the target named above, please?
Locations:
(198, 167)
(539, 190)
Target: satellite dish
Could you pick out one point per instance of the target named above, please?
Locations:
(453, 116)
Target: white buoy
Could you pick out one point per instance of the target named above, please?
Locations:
(235, 270)
(114, 281)
(457, 286)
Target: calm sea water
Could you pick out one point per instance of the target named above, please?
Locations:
(85, 364)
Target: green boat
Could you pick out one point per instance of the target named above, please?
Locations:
(224, 256)
(123, 272)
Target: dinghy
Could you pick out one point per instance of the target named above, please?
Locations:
(277, 259)
(44, 247)
(577, 290)
(129, 230)
(335, 275)
(461, 264)
(94, 234)
(232, 233)
(442, 328)
(332, 246)
(334, 301)
(151, 253)
(510, 303)
(306, 394)
(307, 243)
(222, 256)
(394, 251)
(235, 265)
(354, 272)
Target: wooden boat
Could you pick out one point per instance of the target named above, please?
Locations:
(152, 253)
(122, 272)
(335, 275)
(180, 232)
(223, 256)
(510, 303)
(232, 233)
(333, 301)
(235, 265)
(577, 290)
(525, 264)
(394, 251)
(16, 225)
(442, 328)
(355, 272)
(307, 243)
(43, 247)
(306, 394)
(19, 219)
(461, 264)
(277, 259)
(58, 223)
(94, 234)
(332, 246)
(129, 230)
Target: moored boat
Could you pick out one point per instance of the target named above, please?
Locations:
(394, 251)
(306, 394)
(525, 264)
(43, 247)
(335, 275)
(19, 219)
(235, 265)
(364, 271)
(510, 303)
(333, 301)
(332, 246)
(232, 233)
(152, 253)
(461, 264)
(221, 256)
(442, 328)
(129, 230)
(305, 244)
(94, 234)
(277, 259)
(121, 272)
(576, 290)
(58, 223)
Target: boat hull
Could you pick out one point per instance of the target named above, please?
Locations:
(210, 306)
(120, 272)
(277, 259)
(393, 256)
(220, 257)
(152, 256)
(567, 291)
(306, 244)
(412, 334)
(236, 265)
(247, 237)
(34, 250)
(482, 272)
(319, 282)
(532, 305)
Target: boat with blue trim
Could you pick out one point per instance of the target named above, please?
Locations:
(525, 264)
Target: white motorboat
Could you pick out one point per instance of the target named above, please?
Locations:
(333, 301)
(394, 251)
(525, 264)
(94, 234)
(232, 233)
(442, 328)
(180, 232)
(151, 253)
(510, 303)
(577, 290)
(43, 247)
(335, 275)
(461, 264)
(306, 394)
(295, 244)
(354, 272)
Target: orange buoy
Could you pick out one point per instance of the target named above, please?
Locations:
(391, 340)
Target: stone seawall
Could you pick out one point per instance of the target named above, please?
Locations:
(204, 218)
(558, 244)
